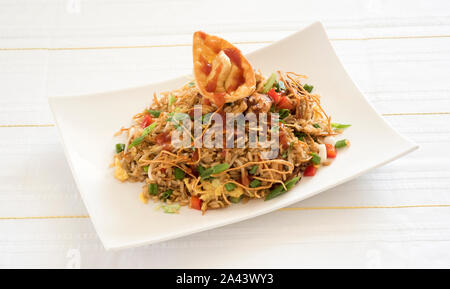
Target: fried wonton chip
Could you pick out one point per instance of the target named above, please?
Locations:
(222, 73)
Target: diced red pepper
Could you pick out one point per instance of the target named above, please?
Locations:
(196, 203)
(310, 171)
(331, 151)
(146, 121)
(285, 103)
(275, 96)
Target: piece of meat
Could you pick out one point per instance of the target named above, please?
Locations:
(259, 103)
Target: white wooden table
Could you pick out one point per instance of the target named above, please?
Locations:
(397, 51)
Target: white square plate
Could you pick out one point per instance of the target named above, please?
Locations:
(87, 124)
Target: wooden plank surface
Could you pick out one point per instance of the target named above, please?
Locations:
(398, 52)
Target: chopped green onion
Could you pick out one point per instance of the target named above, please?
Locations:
(269, 83)
(166, 194)
(340, 125)
(254, 169)
(315, 158)
(289, 184)
(145, 132)
(171, 209)
(255, 183)
(284, 155)
(300, 135)
(145, 169)
(279, 86)
(120, 147)
(278, 190)
(284, 113)
(179, 173)
(308, 87)
(154, 113)
(201, 170)
(171, 99)
(235, 200)
(191, 84)
(153, 189)
(217, 169)
(341, 143)
(230, 186)
(316, 125)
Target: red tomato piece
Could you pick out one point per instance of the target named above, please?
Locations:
(310, 171)
(275, 96)
(331, 151)
(196, 203)
(285, 103)
(146, 121)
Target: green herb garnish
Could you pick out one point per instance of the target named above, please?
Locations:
(235, 200)
(120, 147)
(340, 125)
(171, 209)
(153, 189)
(145, 132)
(255, 183)
(154, 113)
(316, 125)
(308, 88)
(315, 158)
(278, 190)
(166, 195)
(230, 187)
(341, 143)
(178, 173)
(300, 135)
(269, 83)
(217, 169)
(283, 113)
(171, 99)
(254, 169)
(145, 169)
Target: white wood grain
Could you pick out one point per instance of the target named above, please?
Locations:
(385, 70)
(400, 61)
(74, 23)
(418, 237)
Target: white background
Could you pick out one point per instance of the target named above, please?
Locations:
(398, 52)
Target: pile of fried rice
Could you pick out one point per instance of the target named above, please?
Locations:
(213, 178)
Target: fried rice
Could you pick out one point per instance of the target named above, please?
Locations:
(212, 178)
